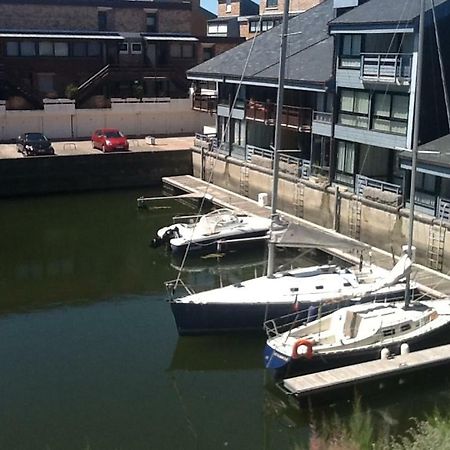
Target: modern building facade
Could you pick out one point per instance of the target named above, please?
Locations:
(349, 92)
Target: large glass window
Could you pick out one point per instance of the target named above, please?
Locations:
(27, 48)
(45, 48)
(12, 48)
(272, 4)
(345, 167)
(181, 50)
(61, 49)
(351, 45)
(390, 113)
(354, 108)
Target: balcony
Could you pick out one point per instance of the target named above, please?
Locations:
(321, 123)
(204, 102)
(298, 118)
(386, 67)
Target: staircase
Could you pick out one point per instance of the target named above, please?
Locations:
(85, 89)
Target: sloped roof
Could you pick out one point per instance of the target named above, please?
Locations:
(309, 53)
(385, 12)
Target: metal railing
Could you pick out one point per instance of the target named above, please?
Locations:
(292, 116)
(443, 209)
(386, 67)
(363, 182)
(203, 102)
(324, 117)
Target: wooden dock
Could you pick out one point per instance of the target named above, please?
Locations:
(341, 377)
(434, 283)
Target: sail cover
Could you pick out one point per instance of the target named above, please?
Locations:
(300, 235)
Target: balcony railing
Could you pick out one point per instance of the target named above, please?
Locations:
(386, 67)
(202, 102)
(323, 117)
(296, 117)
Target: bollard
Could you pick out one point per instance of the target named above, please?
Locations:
(385, 353)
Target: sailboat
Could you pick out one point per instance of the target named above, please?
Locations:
(246, 305)
(360, 332)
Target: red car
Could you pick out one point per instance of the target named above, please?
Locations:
(109, 140)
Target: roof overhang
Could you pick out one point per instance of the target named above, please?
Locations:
(375, 29)
(33, 35)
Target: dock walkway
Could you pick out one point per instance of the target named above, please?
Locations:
(430, 281)
(319, 382)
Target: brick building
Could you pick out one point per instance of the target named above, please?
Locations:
(92, 50)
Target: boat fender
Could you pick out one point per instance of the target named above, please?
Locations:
(303, 343)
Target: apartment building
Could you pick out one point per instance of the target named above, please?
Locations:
(94, 49)
(349, 94)
(246, 19)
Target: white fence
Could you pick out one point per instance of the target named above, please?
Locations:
(60, 120)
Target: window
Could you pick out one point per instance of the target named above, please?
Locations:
(123, 47)
(272, 4)
(181, 51)
(136, 48)
(94, 49)
(351, 45)
(254, 26)
(12, 48)
(151, 23)
(267, 25)
(216, 28)
(61, 49)
(345, 167)
(390, 113)
(228, 6)
(354, 108)
(45, 48)
(102, 20)
(208, 53)
(27, 48)
(389, 332)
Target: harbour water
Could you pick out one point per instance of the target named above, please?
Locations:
(89, 353)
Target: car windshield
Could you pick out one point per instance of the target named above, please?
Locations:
(35, 137)
(113, 134)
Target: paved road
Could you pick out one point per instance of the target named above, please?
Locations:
(8, 151)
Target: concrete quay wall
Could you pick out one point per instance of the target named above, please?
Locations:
(54, 174)
(379, 225)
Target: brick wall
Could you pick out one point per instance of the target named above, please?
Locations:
(235, 8)
(174, 21)
(295, 5)
(45, 17)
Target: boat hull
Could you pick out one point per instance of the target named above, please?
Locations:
(212, 244)
(195, 319)
(283, 367)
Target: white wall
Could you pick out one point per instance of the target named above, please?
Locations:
(63, 121)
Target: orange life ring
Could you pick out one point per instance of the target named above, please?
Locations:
(303, 342)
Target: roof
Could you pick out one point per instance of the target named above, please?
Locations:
(309, 53)
(60, 34)
(163, 4)
(384, 12)
(436, 152)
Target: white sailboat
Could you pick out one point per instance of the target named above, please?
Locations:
(360, 332)
(246, 305)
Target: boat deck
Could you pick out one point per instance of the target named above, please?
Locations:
(341, 377)
(434, 283)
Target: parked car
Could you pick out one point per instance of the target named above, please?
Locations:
(109, 140)
(34, 144)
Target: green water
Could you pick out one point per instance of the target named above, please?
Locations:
(89, 354)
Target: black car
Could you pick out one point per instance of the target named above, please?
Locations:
(34, 144)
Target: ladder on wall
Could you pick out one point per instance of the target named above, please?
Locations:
(436, 241)
(244, 180)
(299, 199)
(354, 220)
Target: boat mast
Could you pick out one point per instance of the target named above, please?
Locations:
(412, 193)
(277, 139)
